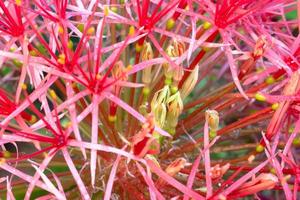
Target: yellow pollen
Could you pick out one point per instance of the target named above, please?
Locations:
(24, 86)
(106, 11)
(260, 97)
(129, 67)
(60, 29)
(91, 31)
(275, 106)
(70, 44)
(53, 95)
(270, 80)
(18, 2)
(6, 154)
(33, 119)
(112, 118)
(170, 24)
(61, 59)
(259, 148)
(80, 27)
(206, 25)
(138, 47)
(131, 31)
(33, 53)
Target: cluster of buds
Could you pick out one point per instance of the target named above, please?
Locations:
(167, 108)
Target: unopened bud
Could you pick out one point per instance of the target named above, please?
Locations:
(212, 118)
(190, 83)
(175, 107)
(147, 54)
(158, 105)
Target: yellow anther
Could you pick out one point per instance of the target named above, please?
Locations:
(24, 86)
(18, 2)
(170, 24)
(206, 49)
(33, 119)
(296, 141)
(80, 27)
(273, 171)
(33, 53)
(6, 154)
(260, 97)
(131, 31)
(270, 80)
(106, 11)
(275, 106)
(60, 29)
(112, 118)
(138, 47)
(61, 59)
(259, 148)
(53, 95)
(146, 91)
(70, 44)
(91, 31)
(206, 25)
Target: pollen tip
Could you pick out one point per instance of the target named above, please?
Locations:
(18, 2)
(112, 118)
(260, 97)
(170, 24)
(53, 95)
(33, 119)
(275, 106)
(206, 25)
(60, 29)
(91, 31)
(259, 148)
(270, 80)
(106, 11)
(24, 86)
(131, 31)
(61, 59)
(138, 47)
